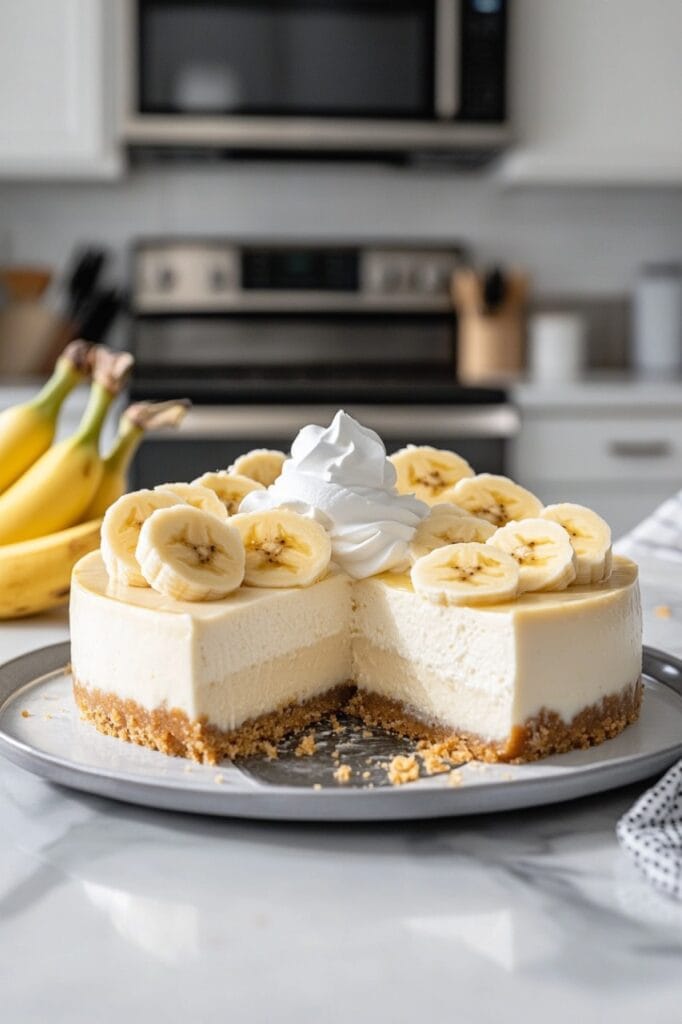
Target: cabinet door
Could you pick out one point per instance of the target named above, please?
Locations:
(596, 91)
(623, 466)
(635, 450)
(57, 109)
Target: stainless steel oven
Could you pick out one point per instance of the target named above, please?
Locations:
(320, 76)
(267, 337)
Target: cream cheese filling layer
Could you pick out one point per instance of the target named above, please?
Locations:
(481, 670)
(209, 659)
(500, 665)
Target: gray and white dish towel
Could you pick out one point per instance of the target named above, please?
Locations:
(651, 831)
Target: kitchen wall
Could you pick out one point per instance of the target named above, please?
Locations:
(574, 240)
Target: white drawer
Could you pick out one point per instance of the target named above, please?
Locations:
(618, 449)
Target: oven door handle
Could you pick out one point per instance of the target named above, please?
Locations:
(420, 423)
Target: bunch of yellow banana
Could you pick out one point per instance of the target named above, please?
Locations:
(52, 498)
(27, 430)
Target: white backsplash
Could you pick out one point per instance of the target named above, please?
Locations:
(574, 241)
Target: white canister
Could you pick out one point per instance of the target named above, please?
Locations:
(657, 328)
(557, 347)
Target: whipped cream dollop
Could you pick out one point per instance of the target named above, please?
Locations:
(340, 476)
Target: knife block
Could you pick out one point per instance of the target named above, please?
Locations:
(490, 340)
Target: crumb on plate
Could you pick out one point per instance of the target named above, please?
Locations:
(343, 774)
(307, 746)
(403, 769)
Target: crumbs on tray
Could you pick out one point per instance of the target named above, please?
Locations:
(307, 746)
(402, 769)
(343, 774)
(434, 763)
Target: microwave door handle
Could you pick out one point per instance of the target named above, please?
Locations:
(447, 58)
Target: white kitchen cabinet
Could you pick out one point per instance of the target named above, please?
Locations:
(617, 449)
(596, 88)
(57, 96)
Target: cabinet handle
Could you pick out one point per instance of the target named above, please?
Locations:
(640, 449)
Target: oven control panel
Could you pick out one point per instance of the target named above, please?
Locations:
(221, 276)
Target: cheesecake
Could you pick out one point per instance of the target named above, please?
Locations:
(330, 590)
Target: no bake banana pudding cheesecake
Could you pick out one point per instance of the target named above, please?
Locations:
(446, 606)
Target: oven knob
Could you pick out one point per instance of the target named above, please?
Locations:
(385, 277)
(219, 279)
(432, 278)
(165, 279)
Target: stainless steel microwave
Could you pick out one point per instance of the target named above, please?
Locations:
(318, 77)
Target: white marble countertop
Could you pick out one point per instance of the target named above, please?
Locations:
(110, 912)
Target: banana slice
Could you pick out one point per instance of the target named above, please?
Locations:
(543, 551)
(466, 574)
(427, 472)
(283, 548)
(198, 497)
(231, 488)
(448, 524)
(591, 539)
(263, 465)
(121, 530)
(495, 498)
(190, 555)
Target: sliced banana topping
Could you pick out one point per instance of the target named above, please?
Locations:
(590, 536)
(542, 550)
(231, 488)
(448, 524)
(427, 472)
(283, 548)
(197, 496)
(495, 498)
(190, 555)
(466, 574)
(121, 530)
(263, 465)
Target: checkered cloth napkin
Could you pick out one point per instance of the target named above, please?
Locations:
(651, 832)
(659, 536)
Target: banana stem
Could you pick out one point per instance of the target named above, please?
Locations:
(136, 420)
(124, 447)
(72, 367)
(95, 412)
(110, 372)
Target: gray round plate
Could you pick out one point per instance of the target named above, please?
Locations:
(40, 730)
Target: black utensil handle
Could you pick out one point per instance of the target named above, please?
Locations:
(494, 290)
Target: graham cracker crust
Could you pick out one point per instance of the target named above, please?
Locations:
(544, 734)
(172, 732)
